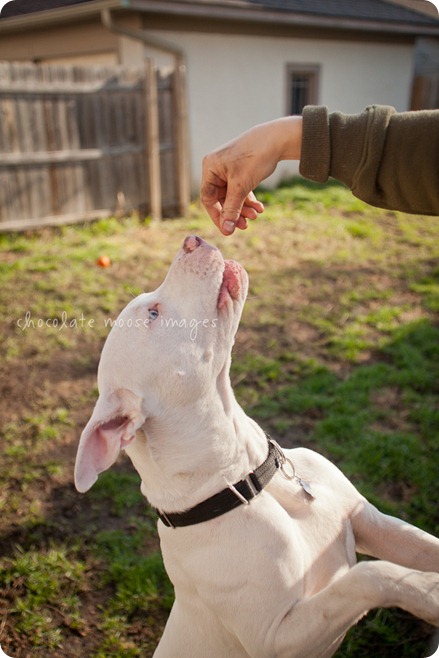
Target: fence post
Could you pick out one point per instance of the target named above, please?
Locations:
(181, 136)
(152, 147)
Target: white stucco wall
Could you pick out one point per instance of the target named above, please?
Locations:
(236, 81)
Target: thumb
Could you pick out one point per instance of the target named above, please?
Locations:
(232, 209)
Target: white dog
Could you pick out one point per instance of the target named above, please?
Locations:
(259, 542)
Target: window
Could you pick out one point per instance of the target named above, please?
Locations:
(302, 87)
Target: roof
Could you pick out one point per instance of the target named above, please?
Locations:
(382, 16)
(19, 7)
(358, 9)
(423, 6)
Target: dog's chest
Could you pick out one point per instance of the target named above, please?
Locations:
(312, 542)
(320, 529)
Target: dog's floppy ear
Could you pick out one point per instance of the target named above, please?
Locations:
(112, 426)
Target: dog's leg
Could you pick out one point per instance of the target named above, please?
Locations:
(388, 538)
(326, 616)
(194, 631)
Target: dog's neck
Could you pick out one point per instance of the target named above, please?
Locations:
(190, 454)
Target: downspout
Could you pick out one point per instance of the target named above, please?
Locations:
(183, 177)
(148, 40)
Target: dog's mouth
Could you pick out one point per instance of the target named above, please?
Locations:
(231, 283)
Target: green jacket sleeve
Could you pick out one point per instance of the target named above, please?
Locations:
(388, 159)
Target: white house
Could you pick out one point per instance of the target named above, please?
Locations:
(247, 61)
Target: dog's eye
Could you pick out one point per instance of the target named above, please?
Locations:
(153, 314)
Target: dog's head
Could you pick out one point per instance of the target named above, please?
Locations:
(164, 351)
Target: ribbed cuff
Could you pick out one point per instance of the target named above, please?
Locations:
(315, 156)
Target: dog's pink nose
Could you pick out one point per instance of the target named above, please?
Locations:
(191, 243)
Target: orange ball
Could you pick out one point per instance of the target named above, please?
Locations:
(104, 261)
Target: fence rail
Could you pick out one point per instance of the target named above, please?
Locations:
(77, 143)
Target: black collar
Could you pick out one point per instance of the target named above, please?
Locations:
(233, 496)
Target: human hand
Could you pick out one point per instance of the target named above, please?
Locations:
(232, 172)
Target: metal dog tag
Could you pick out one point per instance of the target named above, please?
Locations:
(305, 486)
(286, 464)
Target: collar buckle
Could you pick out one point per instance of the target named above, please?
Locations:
(166, 520)
(252, 484)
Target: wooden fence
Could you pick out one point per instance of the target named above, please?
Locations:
(425, 94)
(78, 143)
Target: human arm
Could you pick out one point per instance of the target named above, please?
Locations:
(387, 159)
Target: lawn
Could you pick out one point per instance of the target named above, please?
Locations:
(338, 350)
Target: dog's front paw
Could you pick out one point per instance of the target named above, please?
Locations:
(425, 603)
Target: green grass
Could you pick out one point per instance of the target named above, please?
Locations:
(141, 590)
(380, 421)
(338, 350)
(48, 584)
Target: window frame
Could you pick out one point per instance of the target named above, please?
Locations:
(312, 72)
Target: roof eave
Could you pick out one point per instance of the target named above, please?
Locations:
(58, 15)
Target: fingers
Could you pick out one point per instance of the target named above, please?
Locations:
(228, 215)
(233, 217)
(256, 206)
